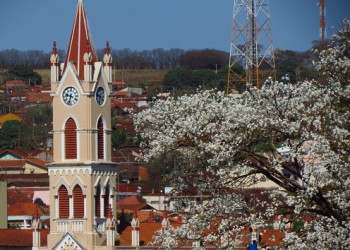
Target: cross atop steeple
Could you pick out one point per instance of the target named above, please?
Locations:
(79, 41)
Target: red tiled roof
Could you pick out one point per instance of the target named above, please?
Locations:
(15, 196)
(132, 200)
(147, 231)
(26, 209)
(37, 162)
(27, 180)
(269, 237)
(12, 163)
(15, 82)
(38, 97)
(126, 188)
(17, 94)
(124, 105)
(21, 238)
(21, 153)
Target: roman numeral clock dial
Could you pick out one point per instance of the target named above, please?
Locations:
(70, 96)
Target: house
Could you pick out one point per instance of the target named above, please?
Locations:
(19, 162)
(20, 215)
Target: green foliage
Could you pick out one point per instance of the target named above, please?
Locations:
(14, 135)
(127, 216)
(24, 73)
(38, 120)
(178, 78)
(183, 79)
(297, 65)
(158, 169)
(264, 147)
(204, 59)
(120, 138)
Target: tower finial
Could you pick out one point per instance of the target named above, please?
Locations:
(107, 50)
(54, 49)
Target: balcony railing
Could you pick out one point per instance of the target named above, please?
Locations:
(71, 225)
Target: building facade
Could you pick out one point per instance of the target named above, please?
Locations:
(82, 177)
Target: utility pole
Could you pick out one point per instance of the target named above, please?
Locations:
(251, 42)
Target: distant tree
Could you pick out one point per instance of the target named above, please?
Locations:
(14, 135)
(184, 79)
(204, 59)
(38, 120)
(297, 65)
(24, 73)
(203, 78)
(179, 78)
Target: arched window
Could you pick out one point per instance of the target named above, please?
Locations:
(63, 202)
(98, 202)
(70, 138)
(100, 139)
(78, 202)
(106, 201)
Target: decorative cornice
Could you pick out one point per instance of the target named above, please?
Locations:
(92, 168)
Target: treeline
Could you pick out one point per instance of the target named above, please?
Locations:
(126, 58)
(37, 59)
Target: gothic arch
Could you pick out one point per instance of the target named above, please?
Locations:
(78, 181)
(61, 181)
(63, 202)
(78, 202)
(101, 138)
(70, 139)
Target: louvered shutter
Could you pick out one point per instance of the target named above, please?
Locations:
(63, 202)
(106, 202)
(98, 203)
(70, 138)
(78, 202)
(100, 139)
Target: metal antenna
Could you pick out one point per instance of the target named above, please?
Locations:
(251, 43)
(323, 32)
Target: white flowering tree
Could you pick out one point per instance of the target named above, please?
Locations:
(224, 142)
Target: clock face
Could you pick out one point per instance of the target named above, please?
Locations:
(70, 96)
(100, 96)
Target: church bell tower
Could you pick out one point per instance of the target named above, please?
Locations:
(82, 176)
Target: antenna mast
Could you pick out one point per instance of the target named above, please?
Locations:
(323, 32)
(251, 42)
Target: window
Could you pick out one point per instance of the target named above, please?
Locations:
(100, 139)
(106, 201)
(98, 202)
(70, 139)
(78, 202)
(63, 202)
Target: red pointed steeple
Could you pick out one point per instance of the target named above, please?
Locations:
(80, 41)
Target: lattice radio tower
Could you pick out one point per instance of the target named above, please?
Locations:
(251, 43)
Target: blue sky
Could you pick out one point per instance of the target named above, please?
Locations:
(148, 24)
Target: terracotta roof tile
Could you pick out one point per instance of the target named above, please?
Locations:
(15, 196)
(10, 237)
(147, 231)
(12, 163)
(26, 209)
